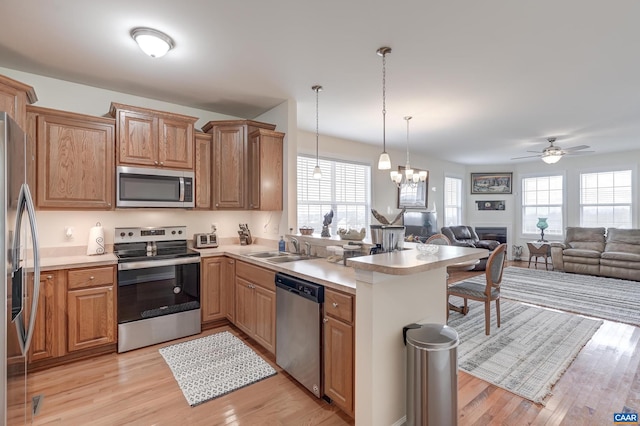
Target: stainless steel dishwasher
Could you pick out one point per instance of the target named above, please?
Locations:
(299, 330)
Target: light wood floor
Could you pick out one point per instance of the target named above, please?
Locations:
(138, 388)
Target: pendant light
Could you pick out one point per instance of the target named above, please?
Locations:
(317, 173)
(411, 179)
(384, 162)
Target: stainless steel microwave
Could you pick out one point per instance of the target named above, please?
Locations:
(147, 187)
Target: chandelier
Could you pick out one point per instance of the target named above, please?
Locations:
(409, 179)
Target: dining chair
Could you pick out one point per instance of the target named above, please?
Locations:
(439, 239)
(486, 292)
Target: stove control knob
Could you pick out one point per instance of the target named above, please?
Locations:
(173, 232)
(177, 290)
(179, 232)
(130, 234)
(122, 234)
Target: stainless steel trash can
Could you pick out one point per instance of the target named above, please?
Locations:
(432, 375)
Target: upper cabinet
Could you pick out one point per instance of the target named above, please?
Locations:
(203, 171)
(75, 159)
(243, 152)
(14, 98)
(145, 137)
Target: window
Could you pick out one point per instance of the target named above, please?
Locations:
(542, 196)
(605, 199)
(345, 188)
(452, 201)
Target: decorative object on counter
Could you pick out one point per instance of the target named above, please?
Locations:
(517, 252)
(96, 240)
(352, 234)
(245, 234)
(427, 248)
(325, 224)
(306, 230)
(542, 225)
(383, 220)
(282, 245)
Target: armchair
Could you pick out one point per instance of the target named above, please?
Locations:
(466, 236)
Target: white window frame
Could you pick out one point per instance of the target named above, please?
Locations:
(563, 207)
(459, 207)
(327, 166)
(632, 204)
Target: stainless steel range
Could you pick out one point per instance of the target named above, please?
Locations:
(158, 286)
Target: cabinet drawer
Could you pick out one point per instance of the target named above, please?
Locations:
(93, 277)
(338, 305)
(256, 275)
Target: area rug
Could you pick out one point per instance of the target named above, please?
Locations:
(607, 298)
(530, 351)
(213, 366)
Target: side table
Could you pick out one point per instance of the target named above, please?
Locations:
(539, 249)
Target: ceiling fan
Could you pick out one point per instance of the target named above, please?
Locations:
(553, 153)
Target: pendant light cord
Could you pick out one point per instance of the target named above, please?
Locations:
(407, 118)
(317, 134)
(384, 101)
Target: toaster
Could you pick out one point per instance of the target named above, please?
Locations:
(205, 240)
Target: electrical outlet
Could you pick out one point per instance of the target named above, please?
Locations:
(68, 232)
(214, 227)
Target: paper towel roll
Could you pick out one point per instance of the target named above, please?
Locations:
(96, 240)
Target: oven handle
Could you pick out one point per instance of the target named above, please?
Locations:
(156, 263)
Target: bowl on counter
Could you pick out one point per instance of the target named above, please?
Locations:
(427, 248)
(305, 230)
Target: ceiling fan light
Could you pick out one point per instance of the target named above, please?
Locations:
(551, 158)
(152, 42)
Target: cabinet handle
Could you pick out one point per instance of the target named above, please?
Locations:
(91, 277)
(162, 163)
(216, 204)
(325, 320)
(335, 305)
(155, 162)
(49, 277)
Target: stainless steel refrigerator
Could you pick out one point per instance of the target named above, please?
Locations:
(20, 273)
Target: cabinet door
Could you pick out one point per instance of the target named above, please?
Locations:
(47, 341)
(338, 363)
(245, 306)
(75, 162)
(265, 320)
(228, 285)
(175, 144)
(203, 171)
(212, 276)
(91, 318)
(14, 97)
(265, 170)
(229, 167)
(137, 138)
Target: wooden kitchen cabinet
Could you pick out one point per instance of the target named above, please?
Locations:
(339, 332)
(146, 137)
(265, 170)
(202, 149)
(14, 98)
(75, 160)
(91, 309)
(48, 333)
(229, 288)
(212, 278)
(236, 170)
(255, 307)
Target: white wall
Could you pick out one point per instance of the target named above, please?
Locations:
(67, 96)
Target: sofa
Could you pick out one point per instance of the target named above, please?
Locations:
(611, 252)
(466, 236)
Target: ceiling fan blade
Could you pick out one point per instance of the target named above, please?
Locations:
(576, 148)
(526, 156)
(578, 152)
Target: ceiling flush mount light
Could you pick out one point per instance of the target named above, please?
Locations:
(384, 162)
(152, 42)
(317, 173)
(411, 179)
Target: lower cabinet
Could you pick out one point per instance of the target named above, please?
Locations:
(46, 341)
(229, 288)
(255, 307)
(339, 351)
(212, 304)
(91, 309)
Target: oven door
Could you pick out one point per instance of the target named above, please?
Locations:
(154, 288)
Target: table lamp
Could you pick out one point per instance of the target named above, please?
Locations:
(542, 225)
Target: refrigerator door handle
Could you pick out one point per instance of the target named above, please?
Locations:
(25, 202)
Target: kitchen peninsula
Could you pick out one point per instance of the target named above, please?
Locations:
(393, 290)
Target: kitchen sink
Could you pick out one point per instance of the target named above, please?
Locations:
(266, 254)
(288, 258)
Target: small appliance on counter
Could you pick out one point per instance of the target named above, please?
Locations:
(209, 240)
(244, 234)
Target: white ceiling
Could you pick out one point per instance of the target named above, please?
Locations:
(484, 80)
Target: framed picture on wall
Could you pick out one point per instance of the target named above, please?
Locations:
(491, 183)
(413, 196)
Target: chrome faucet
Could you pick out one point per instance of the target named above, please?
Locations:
(307, 246)
(296, 245)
